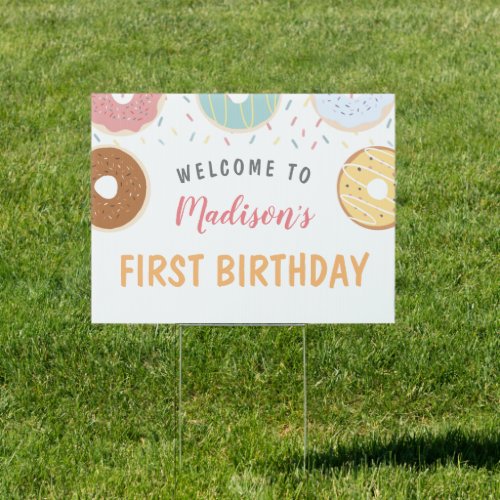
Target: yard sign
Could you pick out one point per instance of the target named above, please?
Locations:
(243, 208)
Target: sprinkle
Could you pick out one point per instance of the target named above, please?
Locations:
(185, 98)
(207, 138)
(160, 120)
(325, 139)
(293, 121)
(192, 136)
(269, 126)
(115, 142)
(390, 144)
(276, 141)
(371, 142)
(161, 142)
(318, 122)
(307, 101)
(227, 142)
(252, 139)
(345, 144)
(288, 105)
(295, 144)
(142, 140)
(97, 138)
(173, 131)
(314, 144)
(389, 121)
(303, 132)
(190, 118)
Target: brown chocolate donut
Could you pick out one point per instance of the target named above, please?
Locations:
(131, 188)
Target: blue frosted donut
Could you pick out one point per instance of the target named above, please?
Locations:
(239, 112)
(353, 112)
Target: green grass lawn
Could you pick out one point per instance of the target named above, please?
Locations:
(403, 411)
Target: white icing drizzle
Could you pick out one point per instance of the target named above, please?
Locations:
(363, 202)
(358, 203)
(378, 174)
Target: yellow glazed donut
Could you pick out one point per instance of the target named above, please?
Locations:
(366, 187)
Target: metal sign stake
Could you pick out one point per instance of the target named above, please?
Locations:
(181, 331)
(304, 363)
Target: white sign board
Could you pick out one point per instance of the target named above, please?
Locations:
(243, 208)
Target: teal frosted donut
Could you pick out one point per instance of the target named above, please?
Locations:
(239, 112)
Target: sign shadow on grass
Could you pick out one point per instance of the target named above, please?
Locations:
(475, 449)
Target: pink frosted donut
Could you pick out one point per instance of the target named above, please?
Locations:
(127, 113)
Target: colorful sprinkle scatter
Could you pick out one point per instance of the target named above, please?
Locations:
(288, 105)
(97, 138)
(192, 136)
(227, 141)
(314, 144)
(293, 121)
(252, 139)
(276, 141)
(160, 120)
(190, 118)
(186, 98)
(325, 139)
(295, 144)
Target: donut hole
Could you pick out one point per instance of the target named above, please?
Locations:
(377, 189)
(238, 98)
(106, 186)
(123, 98)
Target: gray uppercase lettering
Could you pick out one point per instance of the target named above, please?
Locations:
(184, 174)
(199, 171)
